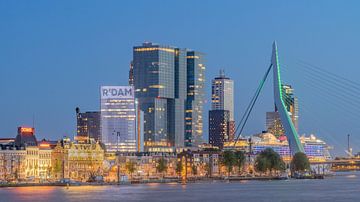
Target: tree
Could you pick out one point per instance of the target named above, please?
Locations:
(240, 160)
(130, 167)
(179, 168)
(228, 160)
(300, 162)
(269, 160)
(261, 164)
(161, 166)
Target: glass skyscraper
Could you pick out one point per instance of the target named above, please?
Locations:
(118, 118)
(160, 86)
(195, 99)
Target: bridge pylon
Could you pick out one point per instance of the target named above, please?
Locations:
(290, 131)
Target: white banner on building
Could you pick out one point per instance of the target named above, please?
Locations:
(116, 92)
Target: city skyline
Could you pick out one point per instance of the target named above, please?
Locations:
(56, 81)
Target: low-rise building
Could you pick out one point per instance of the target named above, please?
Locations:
(77, 161)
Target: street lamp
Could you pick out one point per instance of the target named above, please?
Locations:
(117, 155)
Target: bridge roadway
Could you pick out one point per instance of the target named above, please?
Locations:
(338, 161)
(351, 164)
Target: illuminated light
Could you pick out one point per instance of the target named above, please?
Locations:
(154, 49)
(26, 130)
(192, 57)
(156, 86)
(44, 145)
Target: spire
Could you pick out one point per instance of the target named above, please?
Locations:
(222, 73)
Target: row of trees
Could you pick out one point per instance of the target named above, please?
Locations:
(161, 166)
(267, 161)
(231, 159)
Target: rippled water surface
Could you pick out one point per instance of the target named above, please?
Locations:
(342, 187)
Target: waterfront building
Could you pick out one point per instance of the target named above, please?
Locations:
(45, 154)
(160, 86)
(77, 161)
(205, 162)
(118, 118)
(26, 163)
(144, 162)
(219, 127)
(273, 122)
(195, 99)
(315, 149)
(12, 162)
(24, 158)
(7, 141)
(88, 126)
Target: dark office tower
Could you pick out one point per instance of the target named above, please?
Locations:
(195, 99)
(131, 74)
(219, 127)
(160, 87)
(88, 126)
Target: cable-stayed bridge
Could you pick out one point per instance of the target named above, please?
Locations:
(339, 94)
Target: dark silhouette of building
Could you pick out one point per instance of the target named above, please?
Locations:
(88, 125)
(219, 129)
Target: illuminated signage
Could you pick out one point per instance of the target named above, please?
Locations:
(26, 130)
(116, 92)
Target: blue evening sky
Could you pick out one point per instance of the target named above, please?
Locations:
(54, 55)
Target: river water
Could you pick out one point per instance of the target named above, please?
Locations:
(341, 187)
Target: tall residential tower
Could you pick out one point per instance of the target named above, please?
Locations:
(221, 115)
(195, 99)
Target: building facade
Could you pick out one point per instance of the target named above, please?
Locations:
(25, 137)
(222, 90)
(88, 126)
(195, 99)
(118, 118)
(159, 74)
(77, 161)
(219, 127)
(221, 115)
(273, 122)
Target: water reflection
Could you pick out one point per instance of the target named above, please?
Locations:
(335, 188)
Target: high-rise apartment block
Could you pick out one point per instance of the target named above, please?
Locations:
(195, 99)
(222, 97)
(221, 115)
